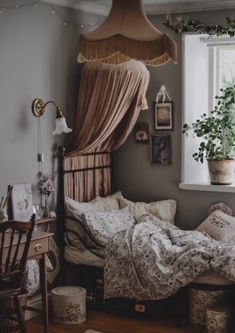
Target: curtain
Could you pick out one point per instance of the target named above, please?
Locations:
(109, 103)
(92, 179)
(110, 100)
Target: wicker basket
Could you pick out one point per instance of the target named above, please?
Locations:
(220, 320)
(203, 298)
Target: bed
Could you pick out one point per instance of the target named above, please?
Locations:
(86, 267)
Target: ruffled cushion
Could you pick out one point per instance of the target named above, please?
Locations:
(165, 210)
(219, 226)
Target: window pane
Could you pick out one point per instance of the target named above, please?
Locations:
(227, 66)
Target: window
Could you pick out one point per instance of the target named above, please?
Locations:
(208, 66)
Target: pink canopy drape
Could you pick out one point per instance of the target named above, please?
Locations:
(110, 100)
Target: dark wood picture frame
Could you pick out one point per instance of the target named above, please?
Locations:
(160, 149)
(163, 116)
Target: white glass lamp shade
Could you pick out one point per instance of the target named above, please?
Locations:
(61, 126)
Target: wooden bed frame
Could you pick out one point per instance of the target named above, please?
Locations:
(92, 278)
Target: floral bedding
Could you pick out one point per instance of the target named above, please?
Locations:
(93, 230)
(152, 259)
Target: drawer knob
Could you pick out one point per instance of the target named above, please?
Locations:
(38, 247)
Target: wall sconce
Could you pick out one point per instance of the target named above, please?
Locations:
(38, 109)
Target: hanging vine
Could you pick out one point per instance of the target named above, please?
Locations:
(192, 25)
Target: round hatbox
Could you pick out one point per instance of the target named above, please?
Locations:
(69, 304)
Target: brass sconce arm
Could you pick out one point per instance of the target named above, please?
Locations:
(38, 108)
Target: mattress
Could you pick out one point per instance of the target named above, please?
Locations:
(82, 257)
(212, 278)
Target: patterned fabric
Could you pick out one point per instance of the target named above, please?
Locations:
(201, 300)
(151, 261)
(78, 233)
(104, 225)
(220, 226)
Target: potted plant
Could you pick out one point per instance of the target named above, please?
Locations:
(217, 131)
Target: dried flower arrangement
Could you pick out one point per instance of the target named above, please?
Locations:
(46, 186)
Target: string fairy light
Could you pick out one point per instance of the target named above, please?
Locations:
(36, 4)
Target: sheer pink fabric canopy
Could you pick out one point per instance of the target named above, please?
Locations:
(109, 103)
(110, 100)
(127, 34)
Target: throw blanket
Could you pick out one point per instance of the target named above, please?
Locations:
(152, 260)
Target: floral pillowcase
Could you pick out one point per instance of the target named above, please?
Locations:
(219, 226)
(104, 225)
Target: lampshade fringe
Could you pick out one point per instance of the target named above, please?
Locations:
(147, 52)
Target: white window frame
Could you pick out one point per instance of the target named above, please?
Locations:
(201, 180)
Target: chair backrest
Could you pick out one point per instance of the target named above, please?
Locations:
(15, 237)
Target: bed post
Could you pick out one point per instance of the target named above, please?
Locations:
(61, 209)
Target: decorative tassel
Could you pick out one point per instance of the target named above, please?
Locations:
(143, 103)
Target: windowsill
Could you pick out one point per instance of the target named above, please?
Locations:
(207, 187)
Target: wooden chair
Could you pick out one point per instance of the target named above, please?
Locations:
(15, 237)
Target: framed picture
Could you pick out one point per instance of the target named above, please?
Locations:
(160, 149)
(21, 202)
(163, 116)
(141, 132)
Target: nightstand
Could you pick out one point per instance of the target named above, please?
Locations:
(45, 224)
(46, 220)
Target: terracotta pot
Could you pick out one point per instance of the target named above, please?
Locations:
(221, 172)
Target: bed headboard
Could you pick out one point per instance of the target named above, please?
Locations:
(82, 178)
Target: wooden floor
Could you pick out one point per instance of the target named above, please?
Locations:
(110, 323)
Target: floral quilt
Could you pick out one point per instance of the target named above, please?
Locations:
(152, 260)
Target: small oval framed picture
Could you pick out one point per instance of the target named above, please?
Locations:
(163, 116)
(141, 132)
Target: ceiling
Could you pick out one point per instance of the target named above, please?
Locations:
(102, 7)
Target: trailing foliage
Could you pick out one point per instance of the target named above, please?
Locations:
(217, 130)
(193, 25)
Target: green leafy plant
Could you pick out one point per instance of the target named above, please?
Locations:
(193, 25)
(217, 130)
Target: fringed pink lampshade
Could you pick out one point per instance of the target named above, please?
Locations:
(127, 34)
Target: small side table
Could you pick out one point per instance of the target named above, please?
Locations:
(46, 220)
(44, 224)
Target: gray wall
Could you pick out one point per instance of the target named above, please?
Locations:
(136, 176)
(37, 59)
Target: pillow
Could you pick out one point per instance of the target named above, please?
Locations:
(165, 209)
(111, 202)
(104, 225)
(75, 208)
(75, 221)
(99, 204)
(77, 235)
(219, 226)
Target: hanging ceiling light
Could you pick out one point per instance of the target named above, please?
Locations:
(127, 34)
